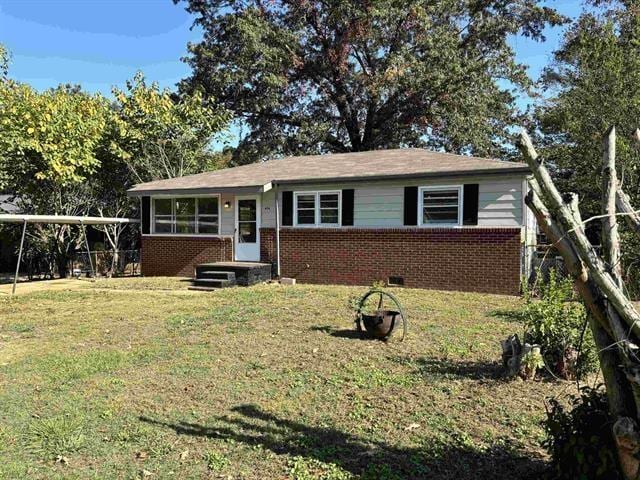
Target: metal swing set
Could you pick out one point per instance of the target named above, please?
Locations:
(60, 220)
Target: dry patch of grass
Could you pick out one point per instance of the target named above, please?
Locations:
(132, 377)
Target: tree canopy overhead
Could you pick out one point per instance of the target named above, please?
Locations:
(318, 76)
(159, 134)
(594, 82)
(51, 135)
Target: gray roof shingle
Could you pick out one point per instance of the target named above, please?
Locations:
(397, 163)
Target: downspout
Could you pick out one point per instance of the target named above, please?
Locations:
(277, 193)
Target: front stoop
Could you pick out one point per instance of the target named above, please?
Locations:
(211, 276)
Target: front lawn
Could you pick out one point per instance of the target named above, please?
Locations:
(131, 379)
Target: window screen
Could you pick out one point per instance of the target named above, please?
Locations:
(306, 209)
(163, 215)
(329, 208)
(208, 215)
(185, 209)
(440, 206)
(186, 215)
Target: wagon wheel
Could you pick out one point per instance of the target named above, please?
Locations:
(381, 296)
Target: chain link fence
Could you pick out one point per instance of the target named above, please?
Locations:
(106, 263)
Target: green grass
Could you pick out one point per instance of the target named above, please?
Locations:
(138, 376)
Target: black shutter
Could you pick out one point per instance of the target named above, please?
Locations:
(470, 207)
(347, 206)
(287, 208)
(410, 205)
(145, 215)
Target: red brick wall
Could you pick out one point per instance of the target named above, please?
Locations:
(178, 256)
(268, 251)
(467, 259)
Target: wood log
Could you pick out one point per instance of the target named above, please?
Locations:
(584, 249)
(511, 355)
(624, 206)
(627, 438)
(610, 235)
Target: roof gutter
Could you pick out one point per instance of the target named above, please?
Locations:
(195, 191)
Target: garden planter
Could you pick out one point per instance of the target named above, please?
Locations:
(380, 324)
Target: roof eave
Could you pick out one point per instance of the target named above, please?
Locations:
(248, 189)
(524, 170)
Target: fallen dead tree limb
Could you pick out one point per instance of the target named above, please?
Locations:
(613, 319)
(624, 205)
(571, 226)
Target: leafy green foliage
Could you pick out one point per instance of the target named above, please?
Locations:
(216, 461)
(579, 440)
(51, 135)
(61, 149)
(531, 362)
(161, 135)
(309, 76)
(556, 322)
(301, 468)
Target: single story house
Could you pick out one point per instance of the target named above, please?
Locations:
(405, 216)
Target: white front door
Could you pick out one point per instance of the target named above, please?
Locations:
(248, 229)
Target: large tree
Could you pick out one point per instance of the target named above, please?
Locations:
(593, 83)
(353, 75)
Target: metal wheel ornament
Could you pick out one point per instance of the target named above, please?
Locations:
(383, 322)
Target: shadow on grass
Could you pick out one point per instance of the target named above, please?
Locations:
(510, 315)
(452, 369)
(252, 426)
(344, 333)
(459, 369)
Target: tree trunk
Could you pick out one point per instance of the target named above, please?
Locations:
(610, 236)
(624, 205)
(588, 255)
(613, 319)
(62, 264)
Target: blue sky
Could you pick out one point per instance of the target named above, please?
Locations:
(96, 43)
(101, 43)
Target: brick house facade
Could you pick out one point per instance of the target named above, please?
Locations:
(408, 216)
(480, 260)
(178, 256)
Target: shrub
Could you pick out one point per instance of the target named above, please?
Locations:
(557, 322)
(579, 440)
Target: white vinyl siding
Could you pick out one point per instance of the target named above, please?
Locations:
(227, 215)
(380, 204)
(500, 203)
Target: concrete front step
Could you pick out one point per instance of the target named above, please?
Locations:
(203, 289)
(246, 273)
(213, 282)
(231, 276)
